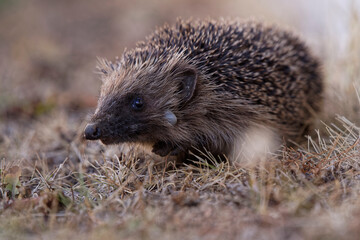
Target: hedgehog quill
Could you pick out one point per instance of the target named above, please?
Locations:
(202, 84)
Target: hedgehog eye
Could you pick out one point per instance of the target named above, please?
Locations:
(137, 103)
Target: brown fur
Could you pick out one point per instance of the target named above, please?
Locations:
(245, 73)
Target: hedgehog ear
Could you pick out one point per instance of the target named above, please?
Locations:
(188, 78)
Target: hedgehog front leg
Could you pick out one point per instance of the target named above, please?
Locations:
(163, 149)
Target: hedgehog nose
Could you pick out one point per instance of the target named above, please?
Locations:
(92, 132)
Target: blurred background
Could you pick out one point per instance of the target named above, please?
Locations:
(48, 49)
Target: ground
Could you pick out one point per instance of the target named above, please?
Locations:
(56, 185)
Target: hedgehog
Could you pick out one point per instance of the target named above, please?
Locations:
(201, 84)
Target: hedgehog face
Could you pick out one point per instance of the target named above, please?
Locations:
(140, 107)
(121, 119)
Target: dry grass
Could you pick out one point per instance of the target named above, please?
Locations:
(55, 185)
(99, 192)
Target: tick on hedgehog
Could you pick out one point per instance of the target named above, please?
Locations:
(202, 84)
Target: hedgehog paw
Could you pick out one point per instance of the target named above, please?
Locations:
(162, 148)
(176, 151)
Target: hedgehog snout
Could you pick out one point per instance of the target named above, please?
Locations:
(92, 132)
